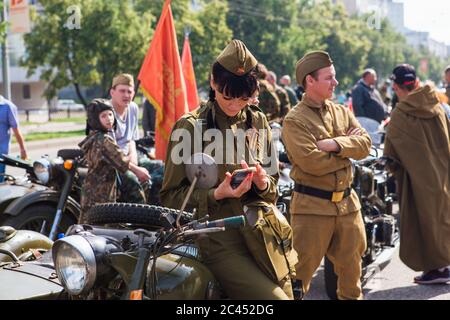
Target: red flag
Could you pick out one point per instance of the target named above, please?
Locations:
(162, 80)
(189, 75)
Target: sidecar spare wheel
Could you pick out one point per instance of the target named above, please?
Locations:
(142, 214)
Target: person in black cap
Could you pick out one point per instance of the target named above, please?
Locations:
(417, 145)
(103, 156)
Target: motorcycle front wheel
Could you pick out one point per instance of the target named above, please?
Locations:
(39, 218)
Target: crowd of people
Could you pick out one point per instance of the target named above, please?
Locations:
(321, 136)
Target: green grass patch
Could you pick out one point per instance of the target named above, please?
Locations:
(35, 136)
(78, 120)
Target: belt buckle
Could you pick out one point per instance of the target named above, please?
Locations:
(337, 196)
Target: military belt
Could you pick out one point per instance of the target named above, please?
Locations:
(336, 196)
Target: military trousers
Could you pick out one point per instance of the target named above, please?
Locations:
(341, 238)
(132, 191)
(242, 279)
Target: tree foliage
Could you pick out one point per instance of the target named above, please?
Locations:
(110, 39)
(115, 35)
(280, 32)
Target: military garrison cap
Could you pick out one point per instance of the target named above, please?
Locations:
(311, 62)
(124, 78)
(236, 58)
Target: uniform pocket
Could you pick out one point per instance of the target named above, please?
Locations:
(269, 240)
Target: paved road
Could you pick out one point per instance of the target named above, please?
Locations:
(395, 282)
(37, 149)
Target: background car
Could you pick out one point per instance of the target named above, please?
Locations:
(65, 104)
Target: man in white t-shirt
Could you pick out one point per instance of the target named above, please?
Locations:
(126, 132)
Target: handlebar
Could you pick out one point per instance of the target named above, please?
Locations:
(232, 222)
(216, 225)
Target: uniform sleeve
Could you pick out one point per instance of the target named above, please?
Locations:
(389, 150)
(270, 194)
(114, 155)
(302, 150)
(176, 184)
(355, 147)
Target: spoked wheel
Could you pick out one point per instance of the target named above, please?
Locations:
(38, 218)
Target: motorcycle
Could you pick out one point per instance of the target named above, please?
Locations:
(47, 198)
(127, 251)
(32, 201)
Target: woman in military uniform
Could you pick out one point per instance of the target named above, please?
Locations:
(235, 257)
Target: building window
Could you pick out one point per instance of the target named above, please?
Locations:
(26, 92)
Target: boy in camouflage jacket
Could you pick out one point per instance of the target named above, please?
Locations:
(103, 157)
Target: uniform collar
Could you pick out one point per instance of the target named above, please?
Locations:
(220, 115)
(311, 103)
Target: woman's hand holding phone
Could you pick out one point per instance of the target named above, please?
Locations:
(238, 183)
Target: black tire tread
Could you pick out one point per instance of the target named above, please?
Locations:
(133, 213)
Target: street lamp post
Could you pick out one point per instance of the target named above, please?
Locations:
(5, 55)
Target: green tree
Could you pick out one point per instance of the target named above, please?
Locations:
(2, 27)
(109, 39)
(265, 26)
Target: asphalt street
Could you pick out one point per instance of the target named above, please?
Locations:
(394, 282)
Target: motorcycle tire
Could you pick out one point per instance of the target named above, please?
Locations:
(134, 213)
(32, 218)
(70, 153)
(330, 279)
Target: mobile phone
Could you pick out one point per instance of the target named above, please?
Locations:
(239, 175)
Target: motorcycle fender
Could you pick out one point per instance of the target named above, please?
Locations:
(16, 206)
(179, 278)
(22, 241)
(182, 278)
(10, 192)
(28, 281)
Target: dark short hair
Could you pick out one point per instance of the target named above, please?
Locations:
(313, 74)
(232, 85)
(447, 68)
(407, 87)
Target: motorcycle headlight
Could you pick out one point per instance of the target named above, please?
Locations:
(41, 169)
(75, 264)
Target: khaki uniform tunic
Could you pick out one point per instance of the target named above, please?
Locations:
(322, 227)
(225, 253)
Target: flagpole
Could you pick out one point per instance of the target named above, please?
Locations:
(136, 88)
(5, 55)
